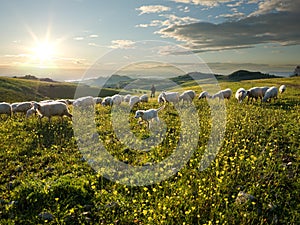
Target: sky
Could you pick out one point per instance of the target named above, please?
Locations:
(63, 39)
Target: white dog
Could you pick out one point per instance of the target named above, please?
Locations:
(148, 115)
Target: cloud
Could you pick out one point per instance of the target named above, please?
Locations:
(146, 9)
(183, 9)
(18, 56)
(269, 6)
(236, 4)
(233, 15)
(93, 36)
(209, 3)
(279, 28)
(169, 20)
(78, 38)
(122, 44)
(153, 23)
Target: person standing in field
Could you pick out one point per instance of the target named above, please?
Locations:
(152, 91)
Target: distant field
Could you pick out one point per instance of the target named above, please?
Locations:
(253, 180)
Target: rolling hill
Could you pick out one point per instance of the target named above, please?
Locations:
(28, 90)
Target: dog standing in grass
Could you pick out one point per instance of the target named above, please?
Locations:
(148, 115)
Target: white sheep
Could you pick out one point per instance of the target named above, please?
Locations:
(240, 94)
(187, 96)
(148, 115)
(272, 92)
(5, 108)
(52, 109)
(127, 98)
(70, 101)
(160, 98)
(133, 100)
(107, 101)
(84, 102)
(282, 89)
(264, 89)
(170, 97)
(204, 94)
(30, 112)
(46, 101)
(97, 100)
(21, 107)
(62, 100)
(223, 94)
(117, 99)
(144, 98)
(256, 92)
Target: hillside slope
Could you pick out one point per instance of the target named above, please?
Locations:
(14, 89)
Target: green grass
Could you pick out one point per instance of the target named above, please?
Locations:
(42, 169)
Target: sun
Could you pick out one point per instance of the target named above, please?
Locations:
(44, 52)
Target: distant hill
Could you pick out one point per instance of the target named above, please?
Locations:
(248, 75)
(114, 81)
(31, 77)
(121, 82)
(15, 89)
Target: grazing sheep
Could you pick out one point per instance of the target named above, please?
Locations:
(5, 108)
(14, 105)
(148, 115)
(204, 94)
(144, 98)
(272, 92)
(46, 101)
(264, 89)
(170, 97)
(133, 100)
(256, 92)
(97, 100)
(52, 109)
(282, 89)
(21, 107)
(107, 101)
(117, 99)
(62, 100)
(160, 98)
(84, 102)
(70, 101)
(127, 98)
(187, 96)
(223, 94)
(30, 112)
(240, 94)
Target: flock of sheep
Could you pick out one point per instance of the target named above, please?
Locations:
(50, 108)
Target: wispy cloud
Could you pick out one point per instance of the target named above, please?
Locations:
(234, 15)
(122, 44)
(94, 36)
(78, 38)
(236, 4)
(185, 9)
(146, 9)
(169, 20)
(209, 3)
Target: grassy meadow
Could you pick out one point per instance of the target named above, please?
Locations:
(254, 178)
